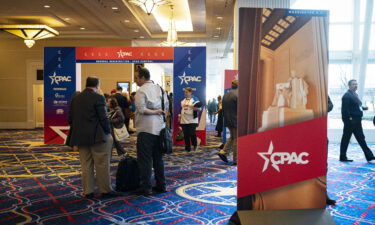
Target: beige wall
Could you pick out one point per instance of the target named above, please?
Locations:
(14, 57)
(109, 74)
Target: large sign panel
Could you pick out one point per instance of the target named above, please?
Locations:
(282, 123)
(189, 70)
(59, 85)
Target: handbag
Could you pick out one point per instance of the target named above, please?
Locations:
(165, 133)
(120, 133)
(180, 135)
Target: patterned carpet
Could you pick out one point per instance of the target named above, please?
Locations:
(41, 185)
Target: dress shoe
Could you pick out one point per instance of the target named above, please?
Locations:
(188, 150)
(141, 191)
(111, 194)
(330, 201)
(370, 159)
(89, 196)
(159, 189)
(223, 157)
(346, 160)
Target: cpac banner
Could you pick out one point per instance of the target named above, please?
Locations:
(124, 54)
(282, 125)
(189, 70)
(59, 85)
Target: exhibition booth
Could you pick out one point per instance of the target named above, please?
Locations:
(63, 76)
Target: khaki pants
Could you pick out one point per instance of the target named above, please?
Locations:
(98, 156)
(231, 144)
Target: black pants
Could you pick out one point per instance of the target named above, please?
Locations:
(149, 155)
(189, 135)
(354, 126)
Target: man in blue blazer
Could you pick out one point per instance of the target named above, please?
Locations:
(351, 111)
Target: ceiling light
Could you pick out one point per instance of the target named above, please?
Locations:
(126, 21)
(268, 37)
(141, 37)
(219, 17)
(30, 32)
(149, 5)
(290, 19)
(136, 31)
(115, 8)
(273, 33)
(172, 39)
(278, 29)
(67, 18)
(82, 28)
(216, 36)
(47, 6)
(266, 42)
(266, 12)
(218, 28)
(283, 23)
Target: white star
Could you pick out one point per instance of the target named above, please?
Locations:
(266, 159)
(183, 78)
(53, 78)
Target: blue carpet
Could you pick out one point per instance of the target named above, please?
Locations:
(40, 184)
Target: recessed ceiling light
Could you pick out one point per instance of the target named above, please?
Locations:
(82, 28)
(47, 6)
(219, 17)
(136, 31)
(141, 37)
(218, 28)
(126, 21)
(67, 18)
(216, 36)
(115, 8)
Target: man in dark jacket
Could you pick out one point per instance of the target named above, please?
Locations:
(230, 121)
(92, 135)
(351, 111)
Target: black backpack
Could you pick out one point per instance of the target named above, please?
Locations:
(165, 133)
(127, 175)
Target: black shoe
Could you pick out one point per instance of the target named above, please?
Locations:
(159, 189)
(89, 196)
(223, 157)
(188, 150)
(346, 160)
(111, 194)
(141, 191)
(233, 164)
(330, 201)
(370, 159)
(221, 146)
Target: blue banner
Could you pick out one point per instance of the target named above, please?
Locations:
(189, 70)
(59, 86)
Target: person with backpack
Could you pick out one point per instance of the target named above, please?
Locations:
(149, 122)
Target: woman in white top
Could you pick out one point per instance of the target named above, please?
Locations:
(189, 119)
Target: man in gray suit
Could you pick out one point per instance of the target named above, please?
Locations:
(230, 121)
(92, 134)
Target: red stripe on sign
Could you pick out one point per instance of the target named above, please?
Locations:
(124, 53)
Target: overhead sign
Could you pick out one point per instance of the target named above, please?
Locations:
(124, 54)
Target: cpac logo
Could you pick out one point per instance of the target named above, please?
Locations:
(188, 79)
(281, 158)
(56, 79)
(122, 54)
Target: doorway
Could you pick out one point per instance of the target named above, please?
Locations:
(38, 100)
